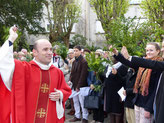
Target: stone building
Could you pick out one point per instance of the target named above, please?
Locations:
(88, 25)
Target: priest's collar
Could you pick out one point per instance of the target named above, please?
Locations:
(42, 66)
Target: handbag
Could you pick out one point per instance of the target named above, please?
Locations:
(92, 101)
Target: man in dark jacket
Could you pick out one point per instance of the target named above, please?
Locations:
(78, 78)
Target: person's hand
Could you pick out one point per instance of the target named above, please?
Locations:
(114, 71)
(147, 114)
(77, 90)
(124, 52)
(110, 47)
(124, 92)
(54, 96)
(13, 34)
(70, 84)
(92, 86)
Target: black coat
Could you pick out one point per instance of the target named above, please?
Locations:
(113, 84)
(158, 66)
(145, 102)
(129, 81)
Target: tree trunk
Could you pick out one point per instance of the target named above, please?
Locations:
(53, 37)
(66, 41)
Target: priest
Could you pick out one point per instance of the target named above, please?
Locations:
(38, 89)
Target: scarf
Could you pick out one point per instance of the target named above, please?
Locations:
(143, 79)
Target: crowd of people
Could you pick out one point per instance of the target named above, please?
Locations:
(39, 90)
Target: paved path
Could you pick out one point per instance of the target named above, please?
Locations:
(68, 117)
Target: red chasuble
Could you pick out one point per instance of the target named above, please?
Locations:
(5, 105)
(30, 93)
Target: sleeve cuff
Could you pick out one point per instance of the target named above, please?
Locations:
(10, 43)
(61, 95)
(59, 106)
(130, 58)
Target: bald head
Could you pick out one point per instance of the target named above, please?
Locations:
(42, 51)
(39, 42)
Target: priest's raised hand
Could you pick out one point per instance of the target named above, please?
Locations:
(13, 34)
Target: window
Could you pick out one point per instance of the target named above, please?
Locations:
(99, 28)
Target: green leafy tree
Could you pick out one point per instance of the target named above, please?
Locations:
(109, 10)
(78, 40)
(130, 33)
(92, 47)
(62, 14)
(26, 14)
(121, 31)
(62, 51)
(154, 11)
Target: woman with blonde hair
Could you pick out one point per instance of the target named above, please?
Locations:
(145, 84)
